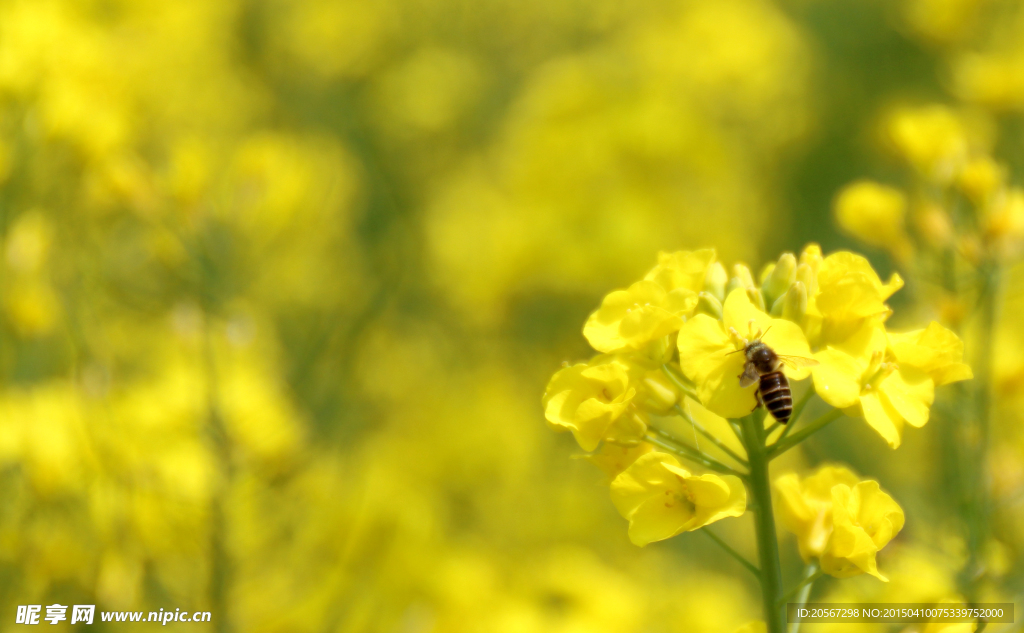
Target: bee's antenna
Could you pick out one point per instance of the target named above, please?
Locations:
(735, 351)
(761, 335)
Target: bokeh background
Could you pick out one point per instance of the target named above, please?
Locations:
(282, 282)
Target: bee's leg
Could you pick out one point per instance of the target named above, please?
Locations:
(757, 394)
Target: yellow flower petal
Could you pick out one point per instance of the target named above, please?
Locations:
(864, 341)
(721, 393)
(733, 506)
(837, 378)
(850, 551)
(882, 417)
(588, 399)
(741, 315)
(864, 519)
(706, 356)
(874, 213)
(852, 296)
(659, 518)
(911, 393)
(935, 350)
(848, 290)
(805, 506)
(706, 490)
(629, 319)
(683, 269)
(660, 498)
(881, 517)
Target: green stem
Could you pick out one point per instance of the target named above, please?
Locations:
(975, 442)
(729, 550)
(681, 383)
(797, 412)
(661, 440)
(714, 439)
(811, 573)
(764, 524)
(781, 446)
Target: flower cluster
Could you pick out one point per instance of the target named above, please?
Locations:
(672, 350)
(838, 519)
(965, 204)
(828, 309)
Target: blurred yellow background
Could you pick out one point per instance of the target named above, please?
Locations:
(282, 282)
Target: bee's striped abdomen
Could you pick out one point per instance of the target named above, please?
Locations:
(776, 396)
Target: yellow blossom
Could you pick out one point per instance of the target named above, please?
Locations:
(710, 352)
(805, 506)
(864, 520)
(934, 350)
(980, 178)
(653, 307)
(589, 399)
(682, 269)
(629, 319)
(857, 377)
(848, 291)
(753, 627)
(932, 139)
(661, 499)
(876, 214)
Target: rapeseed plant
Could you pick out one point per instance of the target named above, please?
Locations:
(678, 339)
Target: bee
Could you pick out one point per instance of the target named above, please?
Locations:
(764, 366)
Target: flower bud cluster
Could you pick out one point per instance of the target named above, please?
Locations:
(963, 201)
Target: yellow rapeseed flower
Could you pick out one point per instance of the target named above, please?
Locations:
(935, 350)
(630, 319)
(932, 139)
(590, 399)
(682, 269)
(838, 519)
(876, 214)
(864, 520)
(858, 377)
(653, 307)
(981, 178)
(661, 499)
(805, 506)
(848, 291)
(708, 352)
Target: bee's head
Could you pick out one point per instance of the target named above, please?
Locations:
(759, 353)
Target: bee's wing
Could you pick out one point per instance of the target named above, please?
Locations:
(796, 362)
(749, 375)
